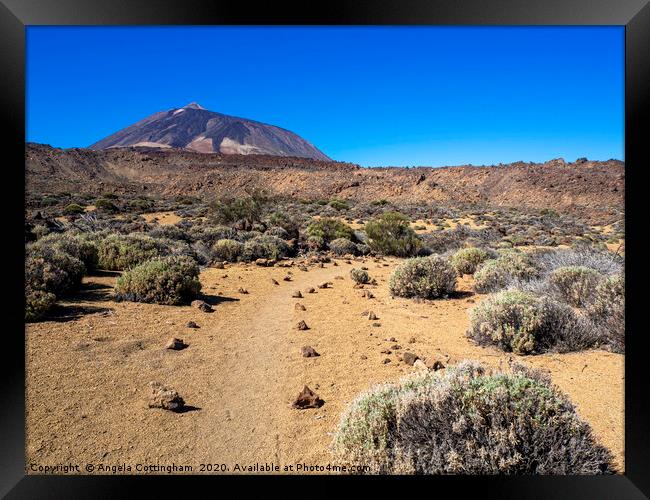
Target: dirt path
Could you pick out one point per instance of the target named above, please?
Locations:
(88, 371)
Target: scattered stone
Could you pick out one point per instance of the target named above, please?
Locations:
(191, 324)
(387, 351)
(274, 282)
(300, 307)
(470, 301)
(434, 364)
(363, 356)
(420, 366)
(386, 361)
(308, 352)
(218, 265)
(392, 339)
(296, 295)
(265, 262)
(302, 325)
(412, 340)
(165, 398)
(409, 358)
(372, 316)
(396, 347)
(311, 289)
(287, 278)
(202, 306)
(335, 263)
(358, 286)
(242, 290)
(307, 399)
(376, 325)
(175, 344)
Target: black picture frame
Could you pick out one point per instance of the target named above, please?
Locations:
(15, 15)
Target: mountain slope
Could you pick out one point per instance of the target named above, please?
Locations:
(194, 128)
(594, 189)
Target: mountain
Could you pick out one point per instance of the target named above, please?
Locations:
(194, 128)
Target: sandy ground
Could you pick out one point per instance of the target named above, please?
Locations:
(162, 218)
(88, 371)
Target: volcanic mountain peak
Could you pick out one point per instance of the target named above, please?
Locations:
(193, 105)
(195, 128)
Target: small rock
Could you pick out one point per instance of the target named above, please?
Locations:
(311, 289)
(387, 351)
(308, 352)
(376, 324)
(300, 307)
(412, 340)
(202, 306)
(363, 356)
(358, 286)
(302, 325)
(175, 344)
(287, 278)
(191, 324)
(409, 358)
(296, 295)
(396, 347)
(420, 366)
(324, 285)
(242, 291)
(307, 399)
(392, 339)
(434, 364)
(274, 282)
(386, 361)
(165, 398)
(372, 316)
(218, 265)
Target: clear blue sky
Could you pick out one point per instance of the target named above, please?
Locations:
(370, 95)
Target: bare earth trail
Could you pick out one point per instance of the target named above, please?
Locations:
(88, 374)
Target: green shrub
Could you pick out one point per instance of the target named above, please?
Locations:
(495, 274)
(360, 276)
(228, 250)
(466, 260)
(391, 234)
(249, 209)
(265, 247)
(315, 243)
(119, 252)
(73, 209)
(466, 420)
(575, 284)
(171, 280)
(423, 277)
(523, 323)
(37, 304)
(342, 246)
(339, 204)
(330, 229)
(607, 310)
(105, 205)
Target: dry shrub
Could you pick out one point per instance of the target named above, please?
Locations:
(496, 274)
(171, 280)
(466, 420)
(228, 250)
(575, 284)
(119, 252)
(524, 323)
(424, 277)
(391, 234)
(360, 276)
(466, 260)
(342, 246)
